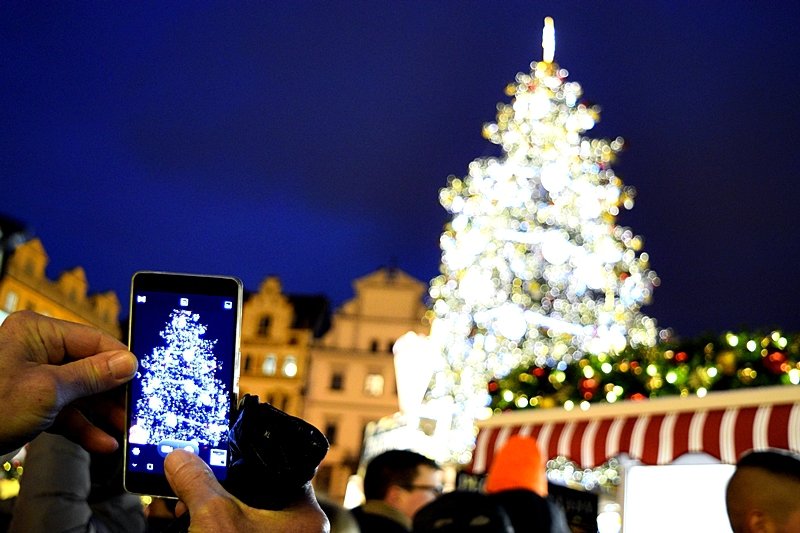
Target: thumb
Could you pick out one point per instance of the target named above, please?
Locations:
(191, 479)
(95, 374)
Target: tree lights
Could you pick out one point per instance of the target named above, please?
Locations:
(534, 269)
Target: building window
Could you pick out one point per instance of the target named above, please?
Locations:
(374, 346)
(289, 366)
(390, 347)
(330, 432)
(269, 365)
(11, 301)
(373, 385)
(337, 381)
(248, 360)
(263, 326)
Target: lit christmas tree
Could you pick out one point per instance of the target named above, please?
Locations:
(182, 399)
(534, 268)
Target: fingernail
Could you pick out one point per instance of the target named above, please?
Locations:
(123, 365)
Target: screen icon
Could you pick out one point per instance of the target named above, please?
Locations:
(140, 299)
(149, 466)
(166, 446)
(184, 301)
(228, 304)
(217, 457)
(165, 449)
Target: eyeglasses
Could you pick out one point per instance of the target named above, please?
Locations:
(438, 491)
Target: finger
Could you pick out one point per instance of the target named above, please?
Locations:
(191, 479)
(72, 424)
(93, 375)
(180, 508)
(106, 410)
(52, 340)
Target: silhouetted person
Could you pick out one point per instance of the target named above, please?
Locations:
(517, 480)
(463, 512)
(64, 488)
(763, 495)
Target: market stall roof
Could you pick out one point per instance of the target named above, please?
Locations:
(723, 424)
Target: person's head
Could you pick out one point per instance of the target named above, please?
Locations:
(463, 511)
(518, 465)
(762, 494)
(403, 479)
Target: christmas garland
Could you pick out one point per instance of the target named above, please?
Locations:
(674, 367)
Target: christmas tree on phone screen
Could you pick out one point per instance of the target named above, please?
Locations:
(182, 399)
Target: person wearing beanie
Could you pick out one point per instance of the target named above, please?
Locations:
(517, 480)
(518, 465)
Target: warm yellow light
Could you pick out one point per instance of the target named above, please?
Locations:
(548, 40)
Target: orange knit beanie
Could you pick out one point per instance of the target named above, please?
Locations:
(518, 465)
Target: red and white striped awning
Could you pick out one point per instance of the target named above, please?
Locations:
(722, 424)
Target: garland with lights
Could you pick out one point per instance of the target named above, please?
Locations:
(12, 468)
(691, 367)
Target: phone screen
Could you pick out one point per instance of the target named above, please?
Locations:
(185, 331)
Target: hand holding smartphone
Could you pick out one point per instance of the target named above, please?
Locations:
(185, 330)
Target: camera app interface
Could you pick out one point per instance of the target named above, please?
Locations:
(180, 397)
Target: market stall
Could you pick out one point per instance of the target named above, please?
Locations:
(722, 424)
(719, 427)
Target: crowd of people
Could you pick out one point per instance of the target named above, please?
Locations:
(61, 387)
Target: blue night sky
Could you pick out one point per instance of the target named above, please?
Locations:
(309, 140)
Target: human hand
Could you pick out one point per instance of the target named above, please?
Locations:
(213, 509)
(48, 369)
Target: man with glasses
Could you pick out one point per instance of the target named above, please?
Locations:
(397, 484)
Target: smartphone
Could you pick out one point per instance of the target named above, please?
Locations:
(185, 330)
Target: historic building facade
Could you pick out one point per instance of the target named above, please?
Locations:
(277, 331)
(335, 371)
(25, 285)
(352, 378)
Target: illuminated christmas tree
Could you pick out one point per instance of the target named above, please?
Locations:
(182, 399)
(535, 269)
